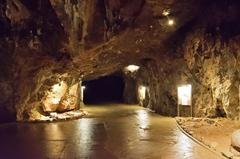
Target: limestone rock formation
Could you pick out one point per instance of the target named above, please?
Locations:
(235, 143)
(207, 56)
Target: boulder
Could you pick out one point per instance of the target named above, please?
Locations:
(235, 143)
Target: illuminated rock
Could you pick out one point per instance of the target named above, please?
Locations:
(235, 143)
(54, 97)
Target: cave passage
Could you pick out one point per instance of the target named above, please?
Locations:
(108, 89)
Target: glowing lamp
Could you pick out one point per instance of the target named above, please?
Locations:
(132, 68)
(166, 12)
(56, 100)
(82, 92)
(57, 87)
(142, 92)
(171, 22)
(185, 95)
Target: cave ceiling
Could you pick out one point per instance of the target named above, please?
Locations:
(92, 38)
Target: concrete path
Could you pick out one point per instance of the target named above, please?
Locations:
(109, 132)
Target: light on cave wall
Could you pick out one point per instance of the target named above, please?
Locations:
(142, 92)
(185, 96)
(57, 87)
(56, 100)
(132, 68)
(82, 92)
(166, 13)
(54, 97)
(171, 22)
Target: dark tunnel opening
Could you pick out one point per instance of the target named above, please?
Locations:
(108, 89)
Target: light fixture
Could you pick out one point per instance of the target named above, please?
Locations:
(185, 95)
(56, 100)
(82, 92)
(132, 68)
(142, 92)
(171, 22)
(166, 12)
(57, 87)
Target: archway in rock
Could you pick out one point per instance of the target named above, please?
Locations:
(108, 89)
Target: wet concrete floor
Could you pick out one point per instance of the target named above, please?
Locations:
(108, 132)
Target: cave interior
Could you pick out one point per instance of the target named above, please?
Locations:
(58, 55)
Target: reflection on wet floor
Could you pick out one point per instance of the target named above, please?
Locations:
(109, 132)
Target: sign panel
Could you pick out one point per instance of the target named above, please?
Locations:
(185, 95)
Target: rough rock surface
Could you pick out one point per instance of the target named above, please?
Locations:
(207, 56)
(219, 134)
(235, 143)
(43, 42)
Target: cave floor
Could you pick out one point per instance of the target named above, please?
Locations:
(214, 133)
(108, 132)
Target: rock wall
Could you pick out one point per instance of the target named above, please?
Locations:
(7, 109)
(214, 64)
(130, 88)
(161, 79)
(208, 57)
(40, 38)
(210, 64)
(32, 51)
(59, 93)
